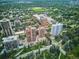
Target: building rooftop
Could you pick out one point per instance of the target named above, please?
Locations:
(4, 20)
(57, 24)
(10, 38)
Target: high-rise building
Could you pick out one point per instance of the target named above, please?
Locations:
(6, 27)
(31, 34)
(41, 32)
(56, 29)
(10, 42)
(28, 34)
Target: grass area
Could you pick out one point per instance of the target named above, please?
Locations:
(39, 9)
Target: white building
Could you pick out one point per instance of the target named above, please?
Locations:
(56, 29)
(10, 42)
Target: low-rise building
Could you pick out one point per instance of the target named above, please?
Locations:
(44, 20)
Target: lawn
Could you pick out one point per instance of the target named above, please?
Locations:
(39, 9)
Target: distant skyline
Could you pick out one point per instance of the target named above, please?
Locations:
(72, 2)
(36, 0)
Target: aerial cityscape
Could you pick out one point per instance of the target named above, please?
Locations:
(39, 29)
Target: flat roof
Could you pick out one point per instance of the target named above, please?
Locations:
(57, 24)
(10, 38)
(4, 20)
